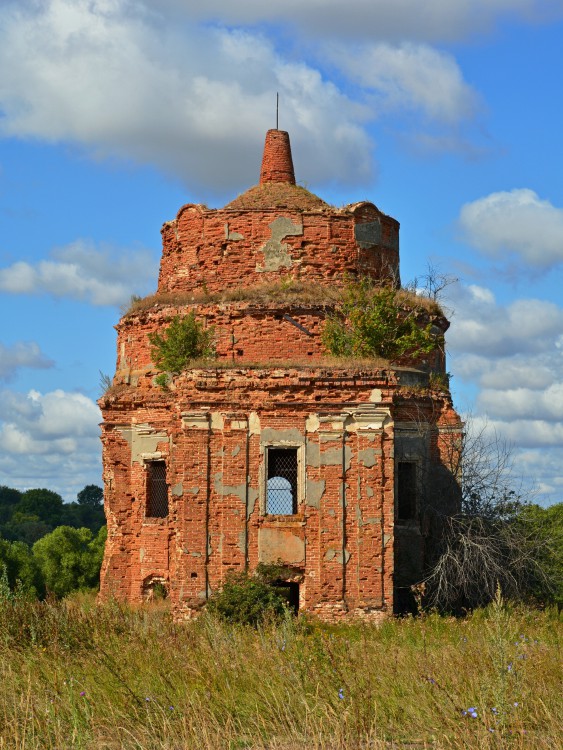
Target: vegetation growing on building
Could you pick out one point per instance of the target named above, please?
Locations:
(373, 321)
(184, 340)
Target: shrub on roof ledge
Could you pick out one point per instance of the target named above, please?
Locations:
(374, 322)
(184, 340)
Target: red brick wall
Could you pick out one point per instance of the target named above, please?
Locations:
(212, 426)
(222, 249)
(214, 525)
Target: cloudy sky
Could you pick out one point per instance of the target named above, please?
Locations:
(113, 113)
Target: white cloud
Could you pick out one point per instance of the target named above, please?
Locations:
(194, 100)
(517, 372)
(49, 440)
(411, 76)
(80, 271)
(524, 403)
(441, 20)
(544, 466)
(513, 355)
(530, 433)
(21, 354)
(482, 327)
(518, 223)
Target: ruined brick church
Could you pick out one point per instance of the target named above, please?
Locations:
(274, 450)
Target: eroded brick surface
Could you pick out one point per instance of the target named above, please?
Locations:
(272, 387)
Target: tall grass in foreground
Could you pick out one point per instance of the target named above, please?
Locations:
(73, 675)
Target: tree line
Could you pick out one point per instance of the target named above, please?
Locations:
(496, 540)
(48, 546)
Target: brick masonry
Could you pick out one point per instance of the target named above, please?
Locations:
(272, 386)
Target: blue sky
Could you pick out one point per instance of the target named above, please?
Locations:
(114, 113)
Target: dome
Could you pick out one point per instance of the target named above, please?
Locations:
(277, 195)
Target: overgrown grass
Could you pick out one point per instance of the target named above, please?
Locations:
(288, 291)
(73, 675)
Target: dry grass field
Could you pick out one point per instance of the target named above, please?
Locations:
(77, 675)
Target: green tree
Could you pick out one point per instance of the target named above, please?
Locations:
(70, 559)
(184, 340)
(20, 568)
(45, 504)
(25, 527)
(544, 526)
(9, 498)
(372, 322)
(88, 512)
(91, 496)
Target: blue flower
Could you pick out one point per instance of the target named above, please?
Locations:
(341, 694)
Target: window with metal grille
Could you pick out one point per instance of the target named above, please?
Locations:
(281, 486)
(406, 490)
(157, 490)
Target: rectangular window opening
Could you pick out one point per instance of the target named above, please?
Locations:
(157, 490)
(281, 485)
(406, 490)
(289, 591)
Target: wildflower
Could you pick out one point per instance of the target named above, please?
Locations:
(341, 694)
(494, 710)
(82, 692)
(516, 704)
(170, 708)
(509, 668)
(472, 712)
(491, 729)
(147, 700)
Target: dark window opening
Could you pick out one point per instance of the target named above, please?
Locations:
(157, 490)
(289, 591)
(155, 589)
(281, 487)
(404, 603)
(406, 490)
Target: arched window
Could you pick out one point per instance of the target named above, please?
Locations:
(281, 485)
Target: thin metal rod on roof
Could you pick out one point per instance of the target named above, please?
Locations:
(277, 109)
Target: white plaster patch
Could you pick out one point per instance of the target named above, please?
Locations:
(143, 441)
(312, 423)
(254, 423)
(217, 420)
